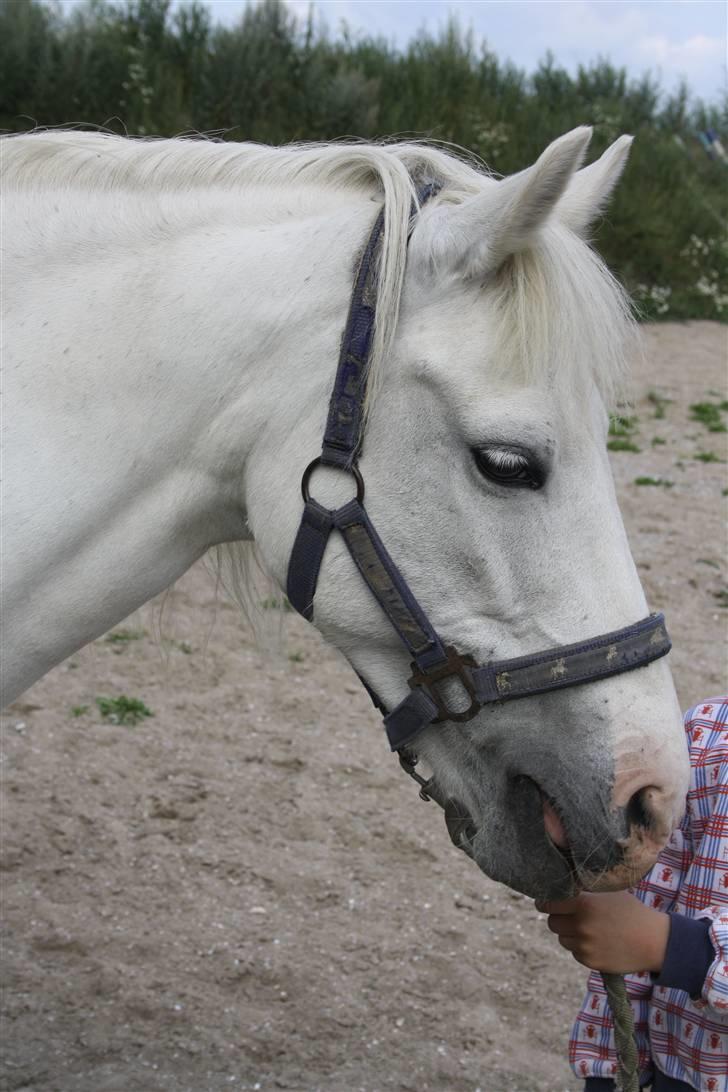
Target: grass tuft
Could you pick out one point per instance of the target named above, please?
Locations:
(122, 638)
(708, 457)
(622, 426)
(647, 480)
(622, 444)
(709, 415)
(123, 710)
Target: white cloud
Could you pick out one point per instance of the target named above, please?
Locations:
(696, 50)
(699, 59)
(597, 27)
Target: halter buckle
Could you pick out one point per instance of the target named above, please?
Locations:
(455, 666)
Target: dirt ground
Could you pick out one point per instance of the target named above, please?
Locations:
(243, 891)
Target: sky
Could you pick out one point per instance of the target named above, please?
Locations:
(670, 38)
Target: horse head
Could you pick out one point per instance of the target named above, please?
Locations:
(488, 480)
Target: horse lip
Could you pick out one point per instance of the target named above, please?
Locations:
(564, 851)
(565, 854)
(553, 820)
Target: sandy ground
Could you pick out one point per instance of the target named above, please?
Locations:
(243, 891)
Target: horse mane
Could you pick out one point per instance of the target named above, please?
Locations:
(559, 314)
(52, 159)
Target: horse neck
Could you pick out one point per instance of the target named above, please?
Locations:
(183, 341)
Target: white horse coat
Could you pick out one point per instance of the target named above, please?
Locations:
(172, 317)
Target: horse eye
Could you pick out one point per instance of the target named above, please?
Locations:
(507, 467)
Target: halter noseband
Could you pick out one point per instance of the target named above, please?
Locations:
(433, 662)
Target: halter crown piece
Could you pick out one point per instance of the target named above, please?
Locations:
(433, 662)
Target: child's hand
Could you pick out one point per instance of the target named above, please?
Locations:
(612, 932)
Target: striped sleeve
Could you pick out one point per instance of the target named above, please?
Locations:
(686, 1029)
(715, 988)
(706, 892)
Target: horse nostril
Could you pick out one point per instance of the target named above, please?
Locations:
(639, 812)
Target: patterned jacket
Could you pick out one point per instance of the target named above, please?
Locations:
(681, 1015)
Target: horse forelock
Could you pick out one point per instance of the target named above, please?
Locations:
(562, 320)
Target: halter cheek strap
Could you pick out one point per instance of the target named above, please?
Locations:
(433, 663)
(378, 570)
(340, 449)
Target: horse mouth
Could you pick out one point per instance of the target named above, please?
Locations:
(554, 826)
(616, 878)
(554, 858)
(463, 831)
(557, 836)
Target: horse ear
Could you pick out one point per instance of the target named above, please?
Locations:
(590, 188)
(474, 238)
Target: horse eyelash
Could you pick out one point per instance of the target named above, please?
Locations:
(503, 459)
(497, 459)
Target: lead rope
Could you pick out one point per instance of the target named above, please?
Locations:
(624, 1036)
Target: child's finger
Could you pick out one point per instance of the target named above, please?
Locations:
(571, 944)
(559, 906)
(561, 924)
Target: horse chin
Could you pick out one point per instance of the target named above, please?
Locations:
(551, 877)
(524, 856)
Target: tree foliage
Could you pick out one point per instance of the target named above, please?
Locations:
(141, 67)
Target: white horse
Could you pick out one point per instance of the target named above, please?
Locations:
(173, 312)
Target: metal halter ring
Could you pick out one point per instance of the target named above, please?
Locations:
(353, 469)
